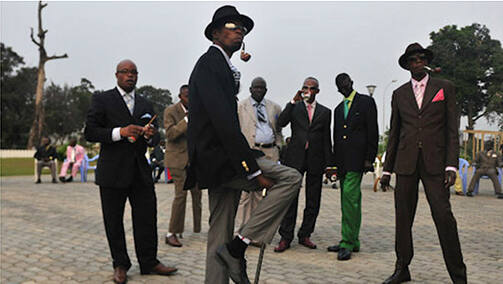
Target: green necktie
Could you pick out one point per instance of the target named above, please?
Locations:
(346, 108)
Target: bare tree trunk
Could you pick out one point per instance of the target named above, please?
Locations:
(38, 120)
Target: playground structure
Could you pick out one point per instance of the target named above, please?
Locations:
(478, 139)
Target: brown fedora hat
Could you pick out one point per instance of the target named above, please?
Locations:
(226, 13)
(411, 49)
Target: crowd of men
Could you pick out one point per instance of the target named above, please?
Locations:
(232, 149)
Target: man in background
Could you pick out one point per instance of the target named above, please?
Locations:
(257, 117)
(46, 157)
(74, 157)
(175, 123)
(486, 164)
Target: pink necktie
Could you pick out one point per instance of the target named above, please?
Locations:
(310, 112)
(419, 92)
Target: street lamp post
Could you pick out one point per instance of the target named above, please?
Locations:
(384, 106)
(371, 89)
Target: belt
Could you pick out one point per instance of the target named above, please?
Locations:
(262, 145)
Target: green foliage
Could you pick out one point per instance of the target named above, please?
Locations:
(160, 99)
(17, 166)
(18, 86)
(474, 62)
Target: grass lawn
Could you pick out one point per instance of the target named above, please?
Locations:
(23, 167)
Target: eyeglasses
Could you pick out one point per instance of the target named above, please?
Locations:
(233, 26)
(126, 71)
(415, 58)
(309, 88)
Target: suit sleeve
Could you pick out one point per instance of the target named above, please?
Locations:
(394, 134)
(154, 140)
(328, 140)
(372, 131)
(173, 129)
(452, 126)
(285, 116)
(225, 124)
(95, 130)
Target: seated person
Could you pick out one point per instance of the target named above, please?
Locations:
(74, 157)
(46, 155)
(157, 164)
(486, 164)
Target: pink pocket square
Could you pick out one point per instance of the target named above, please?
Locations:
(439, 96)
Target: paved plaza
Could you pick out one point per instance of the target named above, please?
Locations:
(54, 233)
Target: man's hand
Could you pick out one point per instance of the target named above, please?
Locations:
(385, 181)
(264, 182)
(298, 96)
(149, 131)
(131, 130)
(367, 166)
(450, 178)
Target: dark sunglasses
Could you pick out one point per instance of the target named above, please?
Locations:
(415, 58)
(310, 88)
(233, 26)
(126, 71)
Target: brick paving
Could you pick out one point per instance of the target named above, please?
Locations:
(54, 234)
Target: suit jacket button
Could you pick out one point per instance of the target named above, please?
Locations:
(419, 117)
(344, 137)
(345, 126)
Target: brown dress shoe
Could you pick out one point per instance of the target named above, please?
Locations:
(307, 243)
(173, 241)
(120, 275)
(282, 246)
(161, 269)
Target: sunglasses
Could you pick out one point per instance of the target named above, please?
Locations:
(309, 88)
(126, 71)
(415, 58)
(233, 26)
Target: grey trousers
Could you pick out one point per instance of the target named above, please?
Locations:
(264, 220)
(50, 164)
(492, 173)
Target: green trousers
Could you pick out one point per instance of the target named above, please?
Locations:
(351, 206)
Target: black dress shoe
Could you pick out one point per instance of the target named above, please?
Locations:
(235, 266)
(70, 179)
(38, 181)
(120, 275)
(500, 196)
(62, 179)
(344, 254)
(160, 269)
(400, 275)
(469, 193)
(336, 248)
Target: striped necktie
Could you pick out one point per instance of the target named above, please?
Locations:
(260, 112)
(129, 102)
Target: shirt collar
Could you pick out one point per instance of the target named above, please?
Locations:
(123, 93)
(351, 96)
(423, 81)
(227, 58)
(254, 102)
(313, 104)
(183, 107)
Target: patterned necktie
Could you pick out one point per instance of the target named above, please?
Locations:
(129, 102)
(419, 94)
(260, 112)
(346, 108)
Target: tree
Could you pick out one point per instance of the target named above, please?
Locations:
(18, 90)
(474, 62)
(160, 98)
(38, 120)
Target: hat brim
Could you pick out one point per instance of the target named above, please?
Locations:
(402, 61)
(245, 20)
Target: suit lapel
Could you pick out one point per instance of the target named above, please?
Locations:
(250, 110)
(137, 106)
(429, 92)
(411, 97)
(302, 113)
(270, 114)
(317, 112)
(120, 101)
(339, 112)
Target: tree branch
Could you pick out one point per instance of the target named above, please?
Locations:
(33, 39)
(480, 115)
(57, 57)
(42, 6)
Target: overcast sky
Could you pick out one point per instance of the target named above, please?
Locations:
(290, 41)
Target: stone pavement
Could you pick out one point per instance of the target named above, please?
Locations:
(54, 234)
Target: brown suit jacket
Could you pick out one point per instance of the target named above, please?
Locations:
(433, 128)
(176, 155)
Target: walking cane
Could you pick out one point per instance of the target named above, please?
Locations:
(262, 249)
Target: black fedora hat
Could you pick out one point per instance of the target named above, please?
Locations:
(226, 13)
(411, 49)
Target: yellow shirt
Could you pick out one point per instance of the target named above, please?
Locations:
(350, 98)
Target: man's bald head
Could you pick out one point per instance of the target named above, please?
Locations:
(344, 84)
(258, 89)
(126, 75)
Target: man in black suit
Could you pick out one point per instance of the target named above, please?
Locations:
(355, 148)
(221, 160)
(118, 119)
(423, 145)
(309, 151)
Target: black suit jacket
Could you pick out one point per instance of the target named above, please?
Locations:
(317, 133)
(433, 128)
(356, 137)
(218, 151)
(119, 162)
